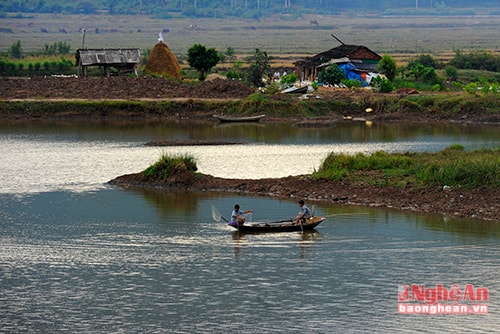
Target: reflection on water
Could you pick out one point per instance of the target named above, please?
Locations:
(37, 162)
(270, 133)
(79, 256)
(114, 261)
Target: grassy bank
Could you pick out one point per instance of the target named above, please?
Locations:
(453, 167)
(167, 166)
(348, 103)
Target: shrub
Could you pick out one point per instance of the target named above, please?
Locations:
(167, 165)
(476, 60)
(423, 73)
(383, 85)
(387, 66)
(451, 72)
(288, 80)
(352, 83)
(16, 50)
(331, 75)
(424, 60)
(472, 88)
(452, 166)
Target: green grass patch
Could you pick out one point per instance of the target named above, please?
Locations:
(168, 165)
(453, 167)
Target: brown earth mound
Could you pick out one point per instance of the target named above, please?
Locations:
(96, 88)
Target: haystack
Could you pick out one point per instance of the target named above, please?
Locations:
(162, 61)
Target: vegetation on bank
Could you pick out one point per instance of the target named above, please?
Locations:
(167, 166)
(436, 104)
(452, 167)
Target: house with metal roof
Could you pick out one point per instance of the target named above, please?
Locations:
(363, 59)
(122, 60)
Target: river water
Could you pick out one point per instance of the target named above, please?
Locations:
(78, 255)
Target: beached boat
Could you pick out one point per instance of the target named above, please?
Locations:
(295, 90)
(280, 226)
(224, 118)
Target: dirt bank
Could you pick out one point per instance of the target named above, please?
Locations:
(43, 97)
(101, 88)
(466, 203)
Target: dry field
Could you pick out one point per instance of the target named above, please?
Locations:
(284, 38)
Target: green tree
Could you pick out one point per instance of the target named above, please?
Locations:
(202, 59)
(425, 60)
(16, 50)
(231, 55)
(423, 73)
(387, 66)
(259, 68)
(331, 75)
(451, 72)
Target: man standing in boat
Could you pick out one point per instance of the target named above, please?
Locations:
(305, 213)
(237, 218)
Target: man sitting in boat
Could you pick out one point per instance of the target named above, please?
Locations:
(305, 213)
(237, 218)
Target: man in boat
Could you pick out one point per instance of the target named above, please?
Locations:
(237, 218)
(305, 213)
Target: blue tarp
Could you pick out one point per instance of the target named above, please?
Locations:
(351, 74)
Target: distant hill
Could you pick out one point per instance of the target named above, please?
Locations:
(247, 8)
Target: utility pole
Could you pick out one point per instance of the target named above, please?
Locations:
(83, 38)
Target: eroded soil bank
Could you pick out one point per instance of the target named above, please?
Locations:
(481, 203)
(158, 98)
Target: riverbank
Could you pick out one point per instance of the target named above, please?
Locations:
(121, 98)
(146, 98)
(483, 203)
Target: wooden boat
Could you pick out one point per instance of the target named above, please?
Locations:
(223, 118)
(281, 226)
(287, 225)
